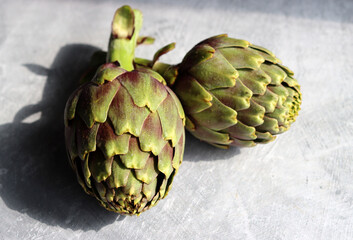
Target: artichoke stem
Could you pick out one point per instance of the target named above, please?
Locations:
(167, 71)
(126, 26)
(160, 67)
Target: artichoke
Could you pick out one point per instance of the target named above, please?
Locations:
(233, 93)
(124, 128)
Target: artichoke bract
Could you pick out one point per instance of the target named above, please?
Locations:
(125, 138)
(124, 129)
(233, 92)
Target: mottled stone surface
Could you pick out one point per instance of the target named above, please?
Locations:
(298, 187)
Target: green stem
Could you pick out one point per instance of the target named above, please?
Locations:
(156, 66)
(167, 71)
(126, 26)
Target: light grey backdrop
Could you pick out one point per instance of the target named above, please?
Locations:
(298, 187)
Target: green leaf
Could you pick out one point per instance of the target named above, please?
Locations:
(99, 166)
(144, 90)
(252, 116)
(178, 152)
(223, 41)
(149, 190)
(151, 137)
(85, 138)
(194, 96)
(237, 97)
(216, 117)
(135, 158)
(211, 136)
(110, 143)
(165, 159)
(270, 125)
(149, 172)
(256, 80)
(241, 131)
(215, 72)
(71, 104)
(242, 57)
(172, 124)
(276, 73)
(133, 186)
(196, 56)
(94, 102)
(120, 173)
(125, 116)
(269, 101)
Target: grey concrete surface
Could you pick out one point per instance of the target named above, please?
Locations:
(298, 187)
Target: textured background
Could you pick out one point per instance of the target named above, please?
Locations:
(298, 187)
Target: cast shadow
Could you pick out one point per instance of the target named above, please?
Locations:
(35, 177)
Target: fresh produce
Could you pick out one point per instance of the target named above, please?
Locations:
(233, 93)
(124, 128)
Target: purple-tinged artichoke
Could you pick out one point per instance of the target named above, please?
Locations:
(125, 128)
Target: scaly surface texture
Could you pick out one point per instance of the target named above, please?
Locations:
(235, 93)
(125, 138)
(298, 187)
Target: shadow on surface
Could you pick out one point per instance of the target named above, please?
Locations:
(196, 150)
(35, 177)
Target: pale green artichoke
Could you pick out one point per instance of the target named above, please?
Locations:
(233, 92)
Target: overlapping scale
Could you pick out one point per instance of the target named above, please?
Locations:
(170, 120)
(110, 143)
(165, 160)
(210, 117)
(198, 98)
(237, 97)
(127, 147)
(153, 91)
(209, 77)
(125, 116)
(223, 41)
(151, 137)
(94, 102)
(235, 93)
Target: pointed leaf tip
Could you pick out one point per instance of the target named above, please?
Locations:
(162, 51)
(145, 40)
